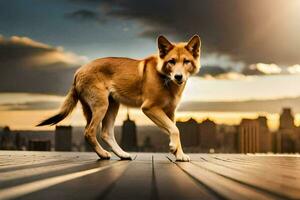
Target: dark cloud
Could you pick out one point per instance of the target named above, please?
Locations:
(212, 70)
(217, 72)
(258, 69)
(30, 66)
(252, 31)
(85, 15)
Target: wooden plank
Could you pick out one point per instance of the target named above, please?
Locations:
(53, 173)
(32, 165)
(15, 160)
(274, 187)
(143, 156)
(225, 187)
(287, 162)
(135, 182)
(172, 183)
(86, 184)
(262, 168)
(29, 172)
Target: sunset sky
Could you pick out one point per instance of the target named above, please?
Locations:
(250, 53)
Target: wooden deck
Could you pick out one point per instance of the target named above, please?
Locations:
(56, 175)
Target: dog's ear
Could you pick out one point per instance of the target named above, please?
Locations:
(194, 45)
(164, 46)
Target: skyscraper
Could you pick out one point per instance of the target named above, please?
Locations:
(129, 137)
(286, 119)
(6, 139)
(63, 138)
(248, 136)
(265, 136)
(287, 138)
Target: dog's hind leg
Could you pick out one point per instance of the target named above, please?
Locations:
(107, 132)
(97, 100)
(86, 112)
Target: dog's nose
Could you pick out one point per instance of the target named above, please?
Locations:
(178, 77)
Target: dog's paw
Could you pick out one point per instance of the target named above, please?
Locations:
(182, 157)
(104, 155)
(125, 156)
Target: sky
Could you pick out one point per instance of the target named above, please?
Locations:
(250, 52)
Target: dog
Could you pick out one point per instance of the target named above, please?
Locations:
(154, 84)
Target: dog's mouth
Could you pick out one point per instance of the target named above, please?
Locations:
(178, 82)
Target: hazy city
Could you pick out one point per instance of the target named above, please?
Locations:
(249, 136)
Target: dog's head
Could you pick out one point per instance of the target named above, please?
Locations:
(179, 61)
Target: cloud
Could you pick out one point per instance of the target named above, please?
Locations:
(24, 41)
(270, 69)
(30, 66)
(35, 53)
(258, 69)
(262, 69)
(256, 31)
(33, 105)
(295, 69)
(85, 15)
(267, 68)
(231, 76)
(268, 105)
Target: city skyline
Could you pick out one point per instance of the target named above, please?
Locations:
(249, 136)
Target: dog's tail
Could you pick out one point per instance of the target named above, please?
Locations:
(67, 107)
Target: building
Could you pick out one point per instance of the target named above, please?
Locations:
(227, 138)
(63, 138)
(198, 137)
(286, 119)
(129, 137)
(254, 136)
(287, 137)
(39, 145)
(207, 137)
(25, 139)
(189, 131)
(265, 136)
(248, 136)
(6, 139)
(152, 139)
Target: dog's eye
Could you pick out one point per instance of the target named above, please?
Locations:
(186, 61)
(172, 61)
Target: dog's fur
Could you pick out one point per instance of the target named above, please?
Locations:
(154, 84)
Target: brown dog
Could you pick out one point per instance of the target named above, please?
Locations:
(154, 84)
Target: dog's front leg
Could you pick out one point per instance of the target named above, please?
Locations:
(159, 117)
